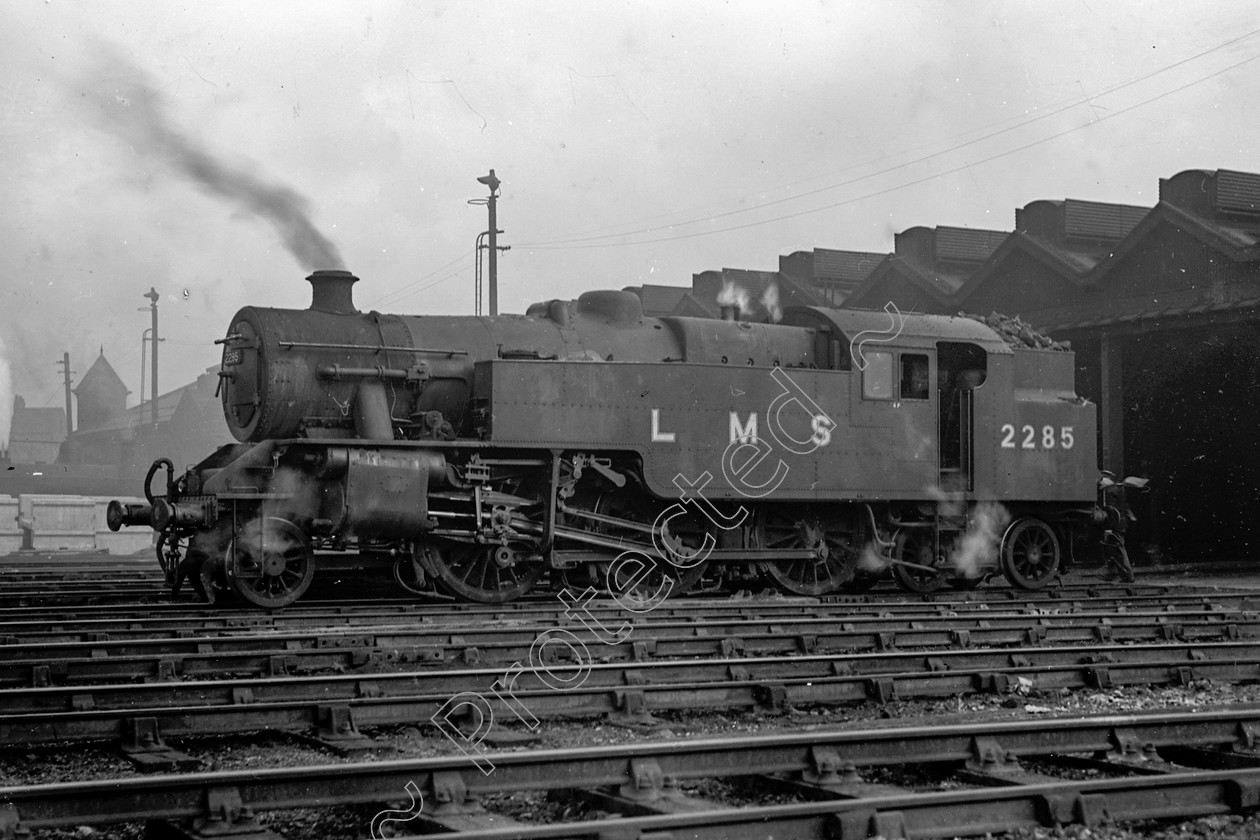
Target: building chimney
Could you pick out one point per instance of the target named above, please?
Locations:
(330, 292)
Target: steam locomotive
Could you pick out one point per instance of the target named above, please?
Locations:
(584, 444)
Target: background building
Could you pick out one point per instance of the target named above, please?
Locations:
(113, 447)
(35, 434)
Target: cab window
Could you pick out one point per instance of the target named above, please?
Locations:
(914, 376)
(877, 377)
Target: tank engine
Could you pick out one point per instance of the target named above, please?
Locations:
(587, 442)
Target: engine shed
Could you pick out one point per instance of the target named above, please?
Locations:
(1162, 308)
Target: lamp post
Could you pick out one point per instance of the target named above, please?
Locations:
(493, 183)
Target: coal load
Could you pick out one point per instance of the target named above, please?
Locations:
(1016, 333)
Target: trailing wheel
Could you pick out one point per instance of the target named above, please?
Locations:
(1030, 553)
(918, 568)
(834, 542)
(493, 574)
(270, 563)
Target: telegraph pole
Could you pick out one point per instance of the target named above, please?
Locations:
(153, 296)
(144, 348)
(65, 364)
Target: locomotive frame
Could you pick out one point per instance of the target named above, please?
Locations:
(588, 444)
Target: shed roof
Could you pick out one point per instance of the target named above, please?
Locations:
(658, 300)
(831, 265)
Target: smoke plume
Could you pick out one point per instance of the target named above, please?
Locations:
(133, 108)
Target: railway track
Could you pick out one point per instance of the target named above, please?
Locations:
(48, 580)
(147, 677)
(36, 655)
(339, 706)
(191, 615)
(1001, 774)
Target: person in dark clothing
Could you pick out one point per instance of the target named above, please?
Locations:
(1114, 516)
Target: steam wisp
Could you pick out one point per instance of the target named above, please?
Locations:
(872, 560)
(736, 296)
(293, 495)
(977, 550)
(770, 301)
(733, 295)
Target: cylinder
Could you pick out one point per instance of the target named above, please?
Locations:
(379, 492)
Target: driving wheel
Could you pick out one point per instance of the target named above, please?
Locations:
(834, 544)
(493, 574)
(685, 533)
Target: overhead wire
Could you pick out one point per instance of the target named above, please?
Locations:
(588, 242)
(911, 183)
(414, 286)
(560, 244)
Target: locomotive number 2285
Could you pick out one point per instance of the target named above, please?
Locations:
(1047, 439)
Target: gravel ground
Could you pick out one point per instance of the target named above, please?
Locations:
(276, 750)
(59, 763)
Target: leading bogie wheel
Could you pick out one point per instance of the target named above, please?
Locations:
(1031, 553)
(270, 562)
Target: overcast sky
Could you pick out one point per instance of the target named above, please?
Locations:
(148, 143)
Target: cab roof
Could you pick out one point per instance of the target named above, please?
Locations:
(910, 329)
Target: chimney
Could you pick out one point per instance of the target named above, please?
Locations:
(730, 313)
(330, 292)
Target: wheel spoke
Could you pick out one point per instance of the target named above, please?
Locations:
(1030, 553)
(684, 534)
(472, 573)
(833, 562)
(272, 562)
